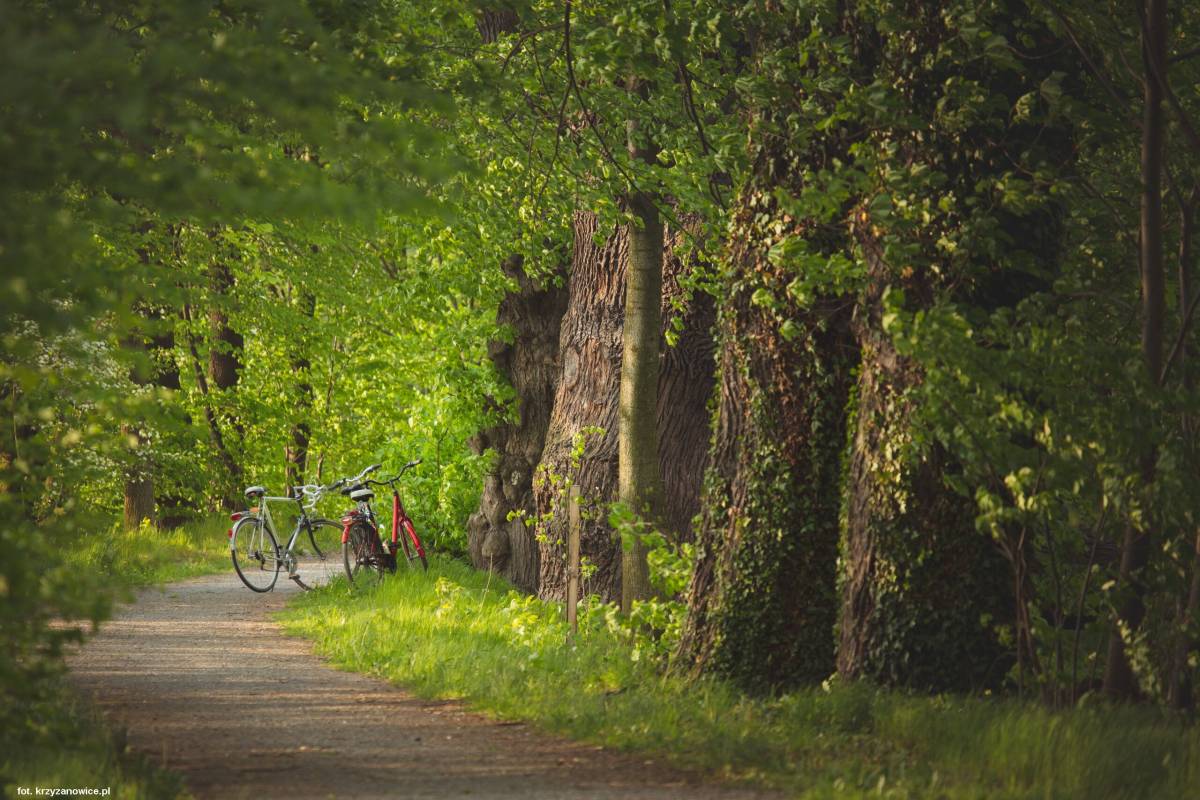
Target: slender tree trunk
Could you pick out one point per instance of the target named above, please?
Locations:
(1179, 689)
(1119, 681)
(224, 355)
(639, 482)
(174, 506)
(296, 451)
(231, 482)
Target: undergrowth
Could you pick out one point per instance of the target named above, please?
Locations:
(67, 745)
(147, 556)
(453, 633)
(48, 738)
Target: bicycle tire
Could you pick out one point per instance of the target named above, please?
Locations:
(362, 555)
(411, 545)
(257, 566)
(317, 552)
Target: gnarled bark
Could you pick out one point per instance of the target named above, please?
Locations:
(530, 363)
(586, 396)
(917, 575)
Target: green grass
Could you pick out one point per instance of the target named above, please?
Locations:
(452, 634)
(65, 743)
(146, 556)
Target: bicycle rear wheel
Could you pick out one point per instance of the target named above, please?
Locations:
(410, 545)
(255, 554)
(362, 555)
(317, 553)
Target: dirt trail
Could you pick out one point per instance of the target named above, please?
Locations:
(202, 678)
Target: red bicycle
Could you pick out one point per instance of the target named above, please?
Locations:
(362, 547)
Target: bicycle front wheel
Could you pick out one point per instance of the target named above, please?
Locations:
(255, 554)
(362, 555)
(317, 553)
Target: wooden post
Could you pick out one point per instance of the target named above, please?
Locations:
(573, 525)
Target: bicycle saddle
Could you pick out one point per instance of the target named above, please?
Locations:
(362, 494)
(255, 491)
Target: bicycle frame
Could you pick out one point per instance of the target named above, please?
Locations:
(364, 513)
(399, 513)
(264, 513)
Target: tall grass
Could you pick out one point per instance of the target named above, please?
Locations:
(451, 633)
(147, 556)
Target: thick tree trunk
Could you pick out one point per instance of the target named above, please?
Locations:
(639, 478)
(494, 21)
(530, 363)
(685, 387)
(139, 501)
(139, 486)
(762, 601)
(917, 576)
(1119, 681)
(587, 395)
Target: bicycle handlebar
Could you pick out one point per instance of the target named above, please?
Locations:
(356, 479)
(396, 477)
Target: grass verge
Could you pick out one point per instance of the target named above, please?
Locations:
(148, 556)
(450, 633)
(53, 739)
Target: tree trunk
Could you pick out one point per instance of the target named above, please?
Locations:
(639, 479)
(1179, 689)
(530, 364)
(685, 387)
(587, 395)
(762, 597)
(174, 506)
(139, 486)
(296, 450)
(1119, 681)
(139, 501)
(917, 576)
(224, 358)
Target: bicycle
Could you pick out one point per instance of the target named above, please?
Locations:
(254, 548)
(362, 547)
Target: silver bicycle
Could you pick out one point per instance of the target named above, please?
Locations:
(313, 555)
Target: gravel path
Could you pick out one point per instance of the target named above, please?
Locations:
(202, 679)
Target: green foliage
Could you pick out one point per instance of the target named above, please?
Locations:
(456, 633)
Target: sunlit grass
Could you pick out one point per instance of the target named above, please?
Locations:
(148, 556)
(450, 633)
